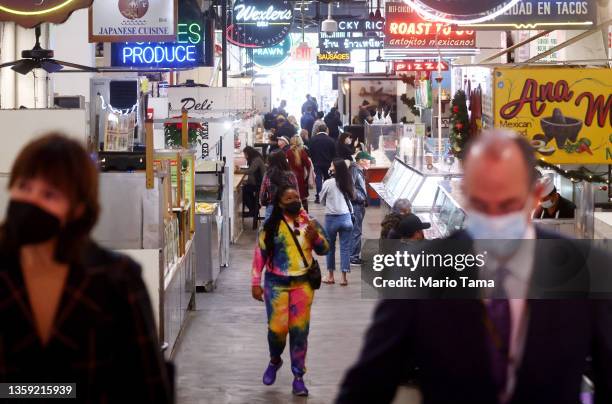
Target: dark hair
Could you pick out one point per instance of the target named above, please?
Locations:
(65, 164)
(278, 166)
(251, 154)
(320, 114)
(271, 225)
(344, 181)
(322, 128)
(343, 137)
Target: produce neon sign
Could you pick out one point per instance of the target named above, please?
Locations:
(187, 50)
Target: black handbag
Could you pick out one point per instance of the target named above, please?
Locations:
(314, 270)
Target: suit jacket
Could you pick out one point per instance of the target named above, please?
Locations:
(446, 340)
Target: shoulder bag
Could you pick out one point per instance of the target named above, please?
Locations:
(350, 207)
(314, 270)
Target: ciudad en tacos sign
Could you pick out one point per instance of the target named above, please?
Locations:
(565, 113)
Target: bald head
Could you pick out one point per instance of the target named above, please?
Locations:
(499, 173)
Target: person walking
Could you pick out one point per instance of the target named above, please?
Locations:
(278, 175)
(322, 151)
(293, 121)
(286, 240)
(358, 168)
(309, 103)
(307, 121)
(299, 162)
(333, 122)
(255, 173)
(345, 148)
(71, 311)
(336, 195)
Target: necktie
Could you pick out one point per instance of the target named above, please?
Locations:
(499, 328)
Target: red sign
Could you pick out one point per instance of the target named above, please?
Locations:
(422, 66)
(405, 29)
(30, 13)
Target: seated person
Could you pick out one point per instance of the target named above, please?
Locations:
(552, 204)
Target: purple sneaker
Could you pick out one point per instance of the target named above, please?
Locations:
(299, 388)
(269, 376)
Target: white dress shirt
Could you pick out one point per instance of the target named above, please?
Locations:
(516, 285)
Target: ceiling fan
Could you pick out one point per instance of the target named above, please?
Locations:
(378, 58)
(39, 58)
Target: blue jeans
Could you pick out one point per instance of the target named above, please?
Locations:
(321, 174)
(268, 213)
(342, 226)
(359, 212)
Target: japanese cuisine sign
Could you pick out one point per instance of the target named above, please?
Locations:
(565, 113)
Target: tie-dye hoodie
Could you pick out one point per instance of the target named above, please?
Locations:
(287, 260)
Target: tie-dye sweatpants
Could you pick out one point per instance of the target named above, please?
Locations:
(288, 300)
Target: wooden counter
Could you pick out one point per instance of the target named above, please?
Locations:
(238, 227)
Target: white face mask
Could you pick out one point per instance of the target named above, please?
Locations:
(547, 204)
(500, 234)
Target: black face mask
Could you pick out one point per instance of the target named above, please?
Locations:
(293, 208)
(28, 224)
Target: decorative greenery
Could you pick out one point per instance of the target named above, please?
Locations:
(411, 103)
(173, 134)
(460, 124)
(580, 174)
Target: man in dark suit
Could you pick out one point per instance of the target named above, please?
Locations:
(489, 350)
(322, 151)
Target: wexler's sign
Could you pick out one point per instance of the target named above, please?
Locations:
(259, 24)
(30, 13)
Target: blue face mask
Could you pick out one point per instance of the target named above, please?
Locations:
(501, 234)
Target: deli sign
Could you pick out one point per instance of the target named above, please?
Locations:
(405, 29)
(259, 23)
(565, 113)
(420, 66)
(30, 13)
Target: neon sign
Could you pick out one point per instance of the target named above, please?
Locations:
(30, 13)
(420, 66)
(187, 51)
(259, 24)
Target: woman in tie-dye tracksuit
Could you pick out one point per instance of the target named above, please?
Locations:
(287, 293)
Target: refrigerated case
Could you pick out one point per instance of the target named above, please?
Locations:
(417, 183)
(447, 213)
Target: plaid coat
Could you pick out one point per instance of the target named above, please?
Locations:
(103, 338)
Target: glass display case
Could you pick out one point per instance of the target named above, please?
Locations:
(383, 142)
(447, 214)
(416, 183)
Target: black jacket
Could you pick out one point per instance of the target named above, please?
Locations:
(333, 122)
(322, 150)
(344, 151)
(445, 339)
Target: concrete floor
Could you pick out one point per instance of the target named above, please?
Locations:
(224, 351)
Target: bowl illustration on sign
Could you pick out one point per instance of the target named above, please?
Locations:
(133, 9)
(561, 128)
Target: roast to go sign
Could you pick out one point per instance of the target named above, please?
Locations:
(420, 66)
(565, 113)
(405, 29)
(29, 13)
(187, 51)
(133, 20)
(260, 23)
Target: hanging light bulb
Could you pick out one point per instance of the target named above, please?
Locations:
(329, 25)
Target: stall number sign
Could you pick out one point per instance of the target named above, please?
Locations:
(535, 14)
(334, 58)
(187, 51)
(353, 34)
(565, 113)
(420, 66)
(259, 23)
(405, 29)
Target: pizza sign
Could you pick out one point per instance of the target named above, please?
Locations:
(30, 13)
(420, 66)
